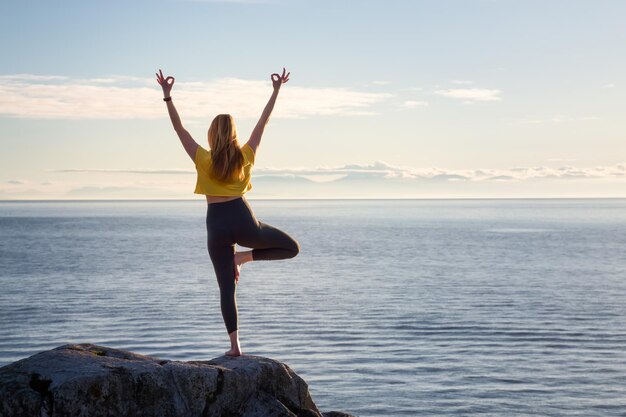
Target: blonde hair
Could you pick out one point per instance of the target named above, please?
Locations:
(226, 156)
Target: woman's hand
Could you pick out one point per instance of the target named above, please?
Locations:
(280, 79)
(165, 83)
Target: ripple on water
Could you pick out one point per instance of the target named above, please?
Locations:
(397, 308)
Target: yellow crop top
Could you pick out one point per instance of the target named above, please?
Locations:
(209, 186)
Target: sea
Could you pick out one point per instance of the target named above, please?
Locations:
(490, 307)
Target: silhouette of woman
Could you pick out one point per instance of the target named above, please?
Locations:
(223, 176)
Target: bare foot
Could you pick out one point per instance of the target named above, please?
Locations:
(240, 259)
(238, 263)
(233, 352)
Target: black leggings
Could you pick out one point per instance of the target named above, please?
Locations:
(233, 222)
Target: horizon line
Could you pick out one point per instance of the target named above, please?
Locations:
(95, 200)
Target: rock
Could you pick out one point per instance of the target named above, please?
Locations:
(90, 381)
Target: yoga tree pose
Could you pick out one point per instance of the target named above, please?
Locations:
(223, 176)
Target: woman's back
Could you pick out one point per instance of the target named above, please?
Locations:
(208, 185)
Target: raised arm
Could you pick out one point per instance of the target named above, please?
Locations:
(187, 141)
(257, 133)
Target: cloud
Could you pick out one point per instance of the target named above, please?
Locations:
(413, 104)
(384, 171)
(110, 191)
(126, 97)
(374, 180)
(32, 77)
(501, 178)
(471, 94)
(126, 171)
(559, 118)
(381, 82)
(461, 82)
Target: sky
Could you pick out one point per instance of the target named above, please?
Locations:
(386, 99)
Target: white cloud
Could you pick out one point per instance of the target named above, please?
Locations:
(471, 94)
(381, 82)
(559, 118)
(32, 77)
(127, 171)
(124, 97)
(382, 170)
(609, 86)
(414, 103)
(374, 180)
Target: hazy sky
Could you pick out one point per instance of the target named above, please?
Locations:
(467, 98)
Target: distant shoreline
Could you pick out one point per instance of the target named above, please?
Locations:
(310, 199)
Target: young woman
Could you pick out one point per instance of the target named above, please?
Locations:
(223, 175)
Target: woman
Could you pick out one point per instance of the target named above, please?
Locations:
(223, 175)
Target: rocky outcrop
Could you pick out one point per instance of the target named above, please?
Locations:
(92, 381)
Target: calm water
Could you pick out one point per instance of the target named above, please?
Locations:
(405, 307)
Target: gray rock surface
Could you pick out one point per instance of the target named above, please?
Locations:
(86, 380)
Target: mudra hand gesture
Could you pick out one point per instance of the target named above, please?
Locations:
(165, 83)
(280, 79)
